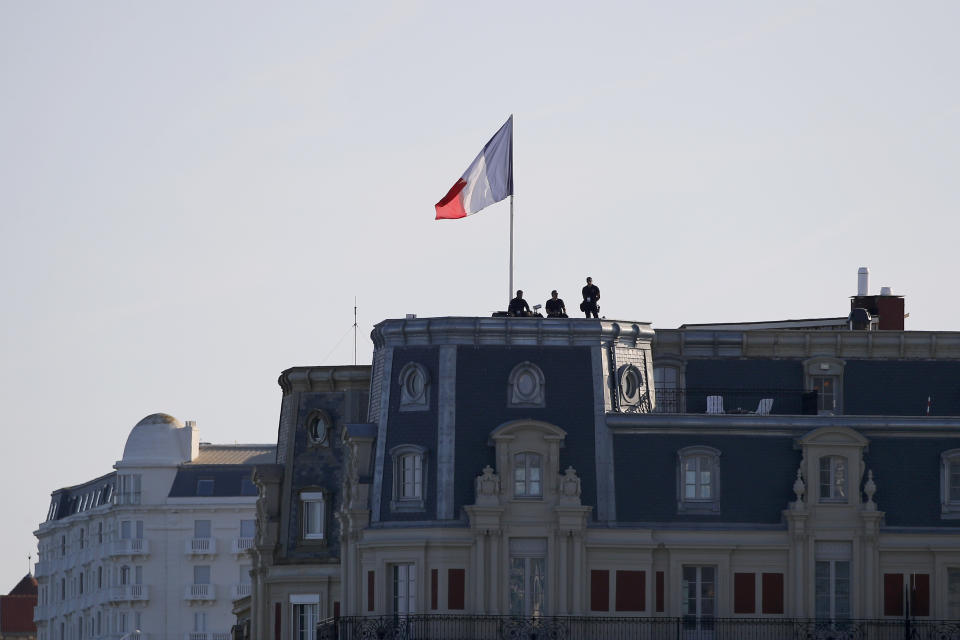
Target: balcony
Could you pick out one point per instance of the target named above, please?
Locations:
(206, 635)
(736, 401)
(493, 627)
(130, 593)
(201, 546)
(200, 592)
(130, 547)
(241, 545)
(241, 590)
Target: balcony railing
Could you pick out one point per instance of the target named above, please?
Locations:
(469, 627)
(202, 546)
(206, 635)
(200, 592)
(241, 545)
(130, 547)
(737, 401)
(241, 590)
(130, 593)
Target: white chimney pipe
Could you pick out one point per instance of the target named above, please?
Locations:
(863, 281)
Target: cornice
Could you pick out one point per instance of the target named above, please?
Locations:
(324, 378)
(476, 331)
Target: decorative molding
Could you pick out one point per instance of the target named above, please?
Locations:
(526, 387)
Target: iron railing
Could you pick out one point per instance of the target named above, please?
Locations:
(745, 401)
(491, 627)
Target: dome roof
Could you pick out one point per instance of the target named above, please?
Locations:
(156, 440)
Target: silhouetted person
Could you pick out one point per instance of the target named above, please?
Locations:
(591, 293)
(518, 306)
(555, 306)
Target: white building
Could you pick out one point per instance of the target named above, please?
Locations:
(159, 545)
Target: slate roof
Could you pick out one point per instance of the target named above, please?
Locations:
(235, 454)
(26, 587)
(220, 481)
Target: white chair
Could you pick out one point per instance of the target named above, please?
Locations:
(763, 409)
(714, 404)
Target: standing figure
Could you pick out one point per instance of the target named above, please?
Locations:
(518, 306)
(591, 293)
(555, 306)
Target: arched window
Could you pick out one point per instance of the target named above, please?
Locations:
(527, 475)
(414, 387)
(525, 386)
(698, 480)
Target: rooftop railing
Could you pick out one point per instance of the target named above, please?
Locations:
(742, 401)
(491, 627)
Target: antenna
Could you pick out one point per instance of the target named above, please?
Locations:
(29, 564)
(354, 330)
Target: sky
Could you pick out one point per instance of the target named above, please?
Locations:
(192, 194)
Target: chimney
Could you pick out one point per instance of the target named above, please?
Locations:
(863, 281)
(886, 308)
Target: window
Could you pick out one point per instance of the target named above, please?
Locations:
(404, 588)
(833, 479)
(63, 545)
(247, 488)
(201, 574)
(414, 387)
(248, 528)
(698, 597)
(528, 576)
(950, 484)
(124, 575)
(131, 529)
(825, 377)
(953, 593)
(200, 622)
(313, 515)
(409, 480)
(205, 487)
(666, 382)
(318, 426)
(129, 492)
(306, 614)
(80, 583)
(202, 529)
(832, 580)
(100, 577)
(99, 533)
(698, 480)
(82, 537)
(527, 475)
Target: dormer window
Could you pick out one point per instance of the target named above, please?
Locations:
(950, 484)
(698, 480)
(205, 487)
(833, 479)
(528, 475)
(409, 480)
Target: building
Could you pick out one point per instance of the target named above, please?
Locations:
(772, 474)
(158, 545)
(16, 611)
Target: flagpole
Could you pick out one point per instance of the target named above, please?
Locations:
(510, 292)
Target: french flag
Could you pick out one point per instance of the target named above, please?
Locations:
(488, 179)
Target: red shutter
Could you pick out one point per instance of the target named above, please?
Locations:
(434, 587)
(277, 616)
(920, 594)
(599, 590)
(370, 585)
(892, 594)
(660, 589)
(744, 593)
(772, 591)
(631, 590)
(456, 585)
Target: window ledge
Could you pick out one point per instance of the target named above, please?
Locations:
(406, 506)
